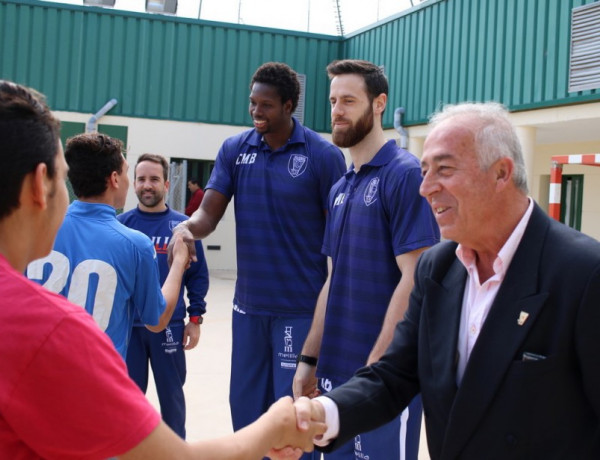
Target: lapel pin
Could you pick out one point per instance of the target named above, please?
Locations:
(522, 318)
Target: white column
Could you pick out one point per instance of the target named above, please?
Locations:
(415, 145)
(526, 135)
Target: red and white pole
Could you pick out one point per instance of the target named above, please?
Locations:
(555, 189)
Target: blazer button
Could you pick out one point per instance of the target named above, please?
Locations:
(511, 440)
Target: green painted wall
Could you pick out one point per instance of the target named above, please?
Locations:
(512, 51)
(447, 51)
(155, 66)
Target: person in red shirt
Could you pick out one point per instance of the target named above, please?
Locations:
(64, 391)
(196, 198)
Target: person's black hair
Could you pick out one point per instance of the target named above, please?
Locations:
(92, 158)
(373, 75)
(154, 158)
(30, 135)
(282, 77)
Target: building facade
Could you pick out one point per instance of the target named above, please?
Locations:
(181, 85)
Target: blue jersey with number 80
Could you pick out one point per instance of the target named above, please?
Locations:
(105, 267)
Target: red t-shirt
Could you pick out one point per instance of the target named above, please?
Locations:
(64, 391)
(194, 203)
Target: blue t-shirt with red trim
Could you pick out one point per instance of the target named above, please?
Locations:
(280, 204)
(374, 215)
(104, 266)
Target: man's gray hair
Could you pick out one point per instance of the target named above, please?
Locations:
(495, 135)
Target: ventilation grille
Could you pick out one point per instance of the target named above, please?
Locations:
(299, 112)
(106, 3)
(178, 184)
(161, 6)
(584, 68)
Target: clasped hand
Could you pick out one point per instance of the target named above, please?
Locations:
(302, 422)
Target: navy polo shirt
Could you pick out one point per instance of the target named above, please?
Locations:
(374, 215)
(280, 203)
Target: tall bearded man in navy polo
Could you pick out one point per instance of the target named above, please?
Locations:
(377, 226)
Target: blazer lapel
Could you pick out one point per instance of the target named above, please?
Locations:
(442, 322)
(503, 332)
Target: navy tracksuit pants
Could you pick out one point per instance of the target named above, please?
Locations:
(164, 352)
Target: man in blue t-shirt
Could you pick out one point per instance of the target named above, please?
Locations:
(99, 263)
(377, 226)
(164, 350)
(280, 173)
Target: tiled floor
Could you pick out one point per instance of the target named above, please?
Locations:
(207, 386)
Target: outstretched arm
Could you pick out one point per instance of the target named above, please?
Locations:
(202, 223)
(172, 285)
(275, 429)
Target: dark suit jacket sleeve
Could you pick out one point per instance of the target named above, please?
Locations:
(587, 339)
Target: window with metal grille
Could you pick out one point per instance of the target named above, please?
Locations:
(299, 112)
(584, 68)
(180, 171)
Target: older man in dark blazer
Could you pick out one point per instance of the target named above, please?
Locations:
(502, 334)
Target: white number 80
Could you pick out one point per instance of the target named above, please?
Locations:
(80, 280)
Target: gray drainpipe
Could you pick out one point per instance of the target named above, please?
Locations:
(398, 127)
(91, 124)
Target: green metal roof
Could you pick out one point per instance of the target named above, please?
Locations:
(155, 66)
(443, 51)
(447, 51)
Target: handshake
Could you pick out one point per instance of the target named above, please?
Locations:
(292, 427)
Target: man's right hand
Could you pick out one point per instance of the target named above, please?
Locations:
(307, 424)
(182, 231)
(305, 381)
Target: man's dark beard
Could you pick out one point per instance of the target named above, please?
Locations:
(153, 203)
(354, 134)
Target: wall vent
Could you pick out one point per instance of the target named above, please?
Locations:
(299, 112)
(584, 68)
(105, 3)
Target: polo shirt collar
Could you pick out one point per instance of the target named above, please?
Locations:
(298, 136)
(385, 154)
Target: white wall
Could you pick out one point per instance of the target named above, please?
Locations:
(554, 131)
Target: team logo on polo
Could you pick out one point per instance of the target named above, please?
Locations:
(371, 191)
(297, 165)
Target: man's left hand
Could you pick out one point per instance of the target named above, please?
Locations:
(191, 335)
